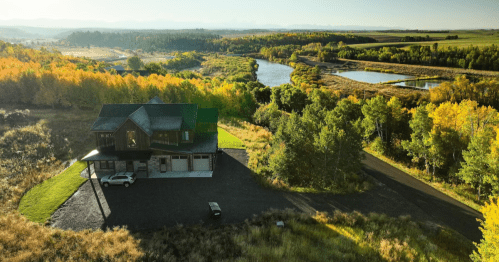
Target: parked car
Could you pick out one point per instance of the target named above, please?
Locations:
(121, 178)
(215, 211)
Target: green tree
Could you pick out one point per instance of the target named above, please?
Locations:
(420, 143)
(340, 143)
(134, 63)
(155, 68)
(375, 113)
(477, 169)
(320, 103)
(291, 143)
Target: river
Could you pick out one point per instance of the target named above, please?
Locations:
(273, 74)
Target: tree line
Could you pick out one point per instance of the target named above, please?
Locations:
(472, 57)
(63, 84)
(203, 41)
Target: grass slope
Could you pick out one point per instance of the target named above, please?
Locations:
(40, 202)
(323, 237)
(227, 140)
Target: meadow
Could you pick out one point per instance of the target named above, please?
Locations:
(466, 38)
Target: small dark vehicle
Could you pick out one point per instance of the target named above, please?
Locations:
(215, 211)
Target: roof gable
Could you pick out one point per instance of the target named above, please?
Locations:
(156, 100)
(150, 117)
(141, 119)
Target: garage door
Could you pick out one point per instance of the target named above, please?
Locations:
(179, 163)
(202, 163)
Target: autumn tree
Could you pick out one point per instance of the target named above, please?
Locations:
(488, 248)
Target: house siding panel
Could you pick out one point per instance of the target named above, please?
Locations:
(143, 141)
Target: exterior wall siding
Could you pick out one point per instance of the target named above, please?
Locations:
(142, 139)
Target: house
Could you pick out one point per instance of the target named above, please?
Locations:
(154, 138)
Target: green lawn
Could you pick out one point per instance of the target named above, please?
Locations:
(43, 199)
(226, 140)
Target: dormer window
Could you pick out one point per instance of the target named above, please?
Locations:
(131, 139)
(185, 135)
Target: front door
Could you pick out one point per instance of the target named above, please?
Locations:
(162, 165)
(129, 166)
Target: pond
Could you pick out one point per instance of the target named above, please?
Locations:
(371, 77)
(377, 77)
(423, 84)
(273, 74)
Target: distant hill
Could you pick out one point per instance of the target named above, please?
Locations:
(11, 32)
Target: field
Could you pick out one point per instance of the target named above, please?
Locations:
(465, 38)
(111, 54)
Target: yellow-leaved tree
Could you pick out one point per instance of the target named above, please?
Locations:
(488, 248)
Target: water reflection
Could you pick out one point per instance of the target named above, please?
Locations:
(273, 74)
(371, 77)
(423, 84)
(377, 77)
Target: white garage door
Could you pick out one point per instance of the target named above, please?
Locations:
(179, 163)
(202, 163)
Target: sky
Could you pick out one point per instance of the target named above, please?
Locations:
(406, 14)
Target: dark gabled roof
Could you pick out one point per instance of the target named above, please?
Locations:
(156, 100)
(207, 115)
(188, 112)
(153, 116)
(166, 123)
(203, 143)
(141, 119)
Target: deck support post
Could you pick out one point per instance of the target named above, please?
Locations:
(88, 168)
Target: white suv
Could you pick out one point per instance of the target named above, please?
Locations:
(121, 178)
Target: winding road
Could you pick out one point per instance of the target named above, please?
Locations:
(440, 207)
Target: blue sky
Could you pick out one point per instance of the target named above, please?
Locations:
(414, 14)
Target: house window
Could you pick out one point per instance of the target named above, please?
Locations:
(163, 137)
(131, 139)
(106, 140)
(185, 135)
(106, 164)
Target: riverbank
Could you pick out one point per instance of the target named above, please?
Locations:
(415, 70)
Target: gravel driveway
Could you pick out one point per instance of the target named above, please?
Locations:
(155, 203)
